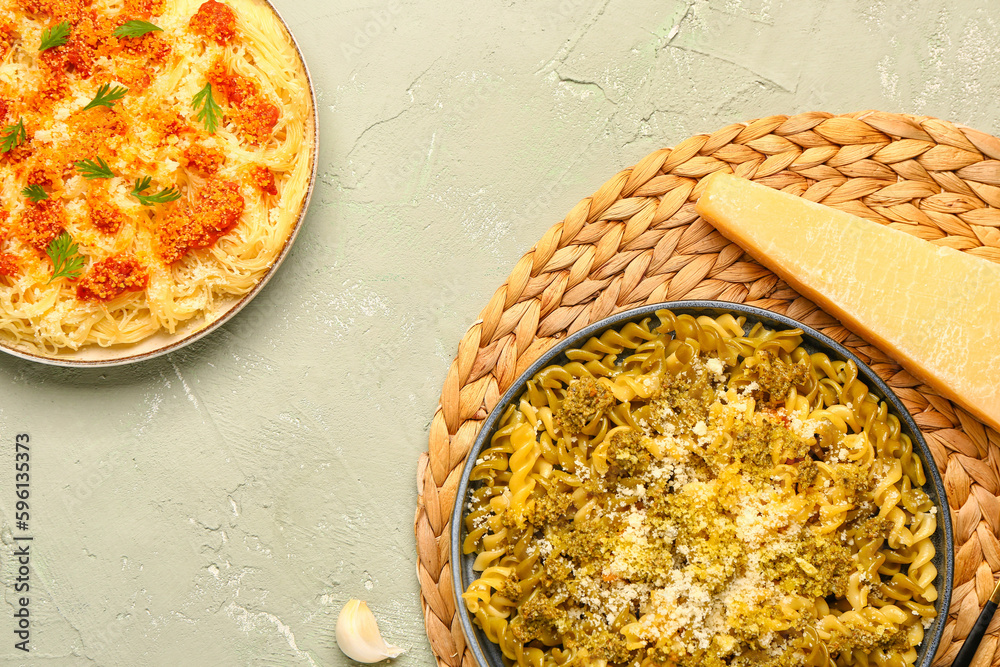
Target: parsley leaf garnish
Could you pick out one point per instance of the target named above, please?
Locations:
(67, 262)
(162, 197)
(142, 184)
(13, 136)
(35, 193)
(90, 169)
(210, 111)
(55, 36)
(107, 96)
(135, 29)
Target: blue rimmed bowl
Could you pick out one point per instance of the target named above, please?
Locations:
(488, 654)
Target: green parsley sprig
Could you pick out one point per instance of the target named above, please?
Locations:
(162, 197)
(35, 193)
(55, 36)
(135, 28)
(91, 169)
(67, 262)
(107, 96)
(13, 136)
(210, 112)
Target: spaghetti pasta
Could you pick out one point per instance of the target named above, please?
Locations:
(694, 494)
(172, 140)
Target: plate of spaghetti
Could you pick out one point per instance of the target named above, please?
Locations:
(156, 160)
(701, 483)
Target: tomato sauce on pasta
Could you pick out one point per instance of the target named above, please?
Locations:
(154, 158)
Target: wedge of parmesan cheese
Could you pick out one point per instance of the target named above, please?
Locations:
(932, 308)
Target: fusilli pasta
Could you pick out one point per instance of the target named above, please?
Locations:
(693, 494)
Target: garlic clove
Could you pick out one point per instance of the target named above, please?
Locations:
(358, 636)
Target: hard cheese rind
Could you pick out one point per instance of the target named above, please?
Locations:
(934, 309)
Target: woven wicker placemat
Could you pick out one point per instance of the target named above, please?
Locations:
(637, 240)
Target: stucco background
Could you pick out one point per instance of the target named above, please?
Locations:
(219, 505)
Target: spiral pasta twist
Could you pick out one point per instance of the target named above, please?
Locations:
(692, 493)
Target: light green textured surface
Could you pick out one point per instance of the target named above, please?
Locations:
(218, 506)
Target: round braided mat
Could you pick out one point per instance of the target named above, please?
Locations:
(637, 240)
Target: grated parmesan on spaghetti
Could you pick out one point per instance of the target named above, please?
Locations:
(175, 162)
